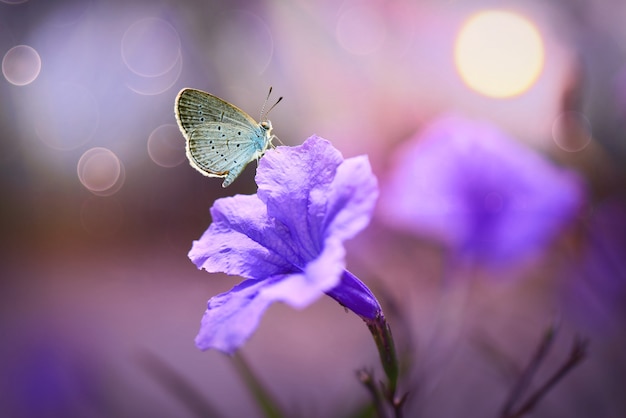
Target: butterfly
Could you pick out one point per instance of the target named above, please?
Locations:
(221, 138)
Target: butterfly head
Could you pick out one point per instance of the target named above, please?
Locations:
(266, 125)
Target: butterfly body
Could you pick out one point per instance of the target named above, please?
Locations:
(221, 138)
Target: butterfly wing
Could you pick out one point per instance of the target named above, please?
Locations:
(223, 150)
(221, 138)
(195, 108)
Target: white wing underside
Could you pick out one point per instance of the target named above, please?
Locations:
(221, 138)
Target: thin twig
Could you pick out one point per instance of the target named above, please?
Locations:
(529, 372)
(367, 379)
(577, 355)
(398, 405)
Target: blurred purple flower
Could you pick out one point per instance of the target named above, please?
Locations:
(481, 193)
(287, 240)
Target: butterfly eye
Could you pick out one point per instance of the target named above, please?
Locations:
(266, 124)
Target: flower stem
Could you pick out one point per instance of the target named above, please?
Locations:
(263, 398)
(177, 384)
(354, 295)
(386, 349)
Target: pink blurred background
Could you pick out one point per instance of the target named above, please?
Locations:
(99, 206)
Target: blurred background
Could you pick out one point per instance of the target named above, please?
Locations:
(100, 207)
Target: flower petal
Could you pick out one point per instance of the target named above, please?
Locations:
(287, 240)
(350, 199)
(287, 176)
(320, 275)
(232, 317)
(243, 241)
(325, 271)
(354, 295)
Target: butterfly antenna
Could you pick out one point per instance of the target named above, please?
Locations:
(274, 105)
(264, 114)
(265, 103)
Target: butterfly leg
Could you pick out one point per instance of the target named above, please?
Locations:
(274, 137)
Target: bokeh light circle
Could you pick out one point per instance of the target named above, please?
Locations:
(150, 47)
(100, 171)
(21, 65)
(151, 86)
(571, 131)
(166, 146)
(499, 54)
(361, 30)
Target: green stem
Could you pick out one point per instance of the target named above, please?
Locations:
(386, 349)
(261, 395)
(177, 384)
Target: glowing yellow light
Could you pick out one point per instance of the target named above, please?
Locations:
(499, 54)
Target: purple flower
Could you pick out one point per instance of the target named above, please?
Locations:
(287, 240)
(481, 193)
